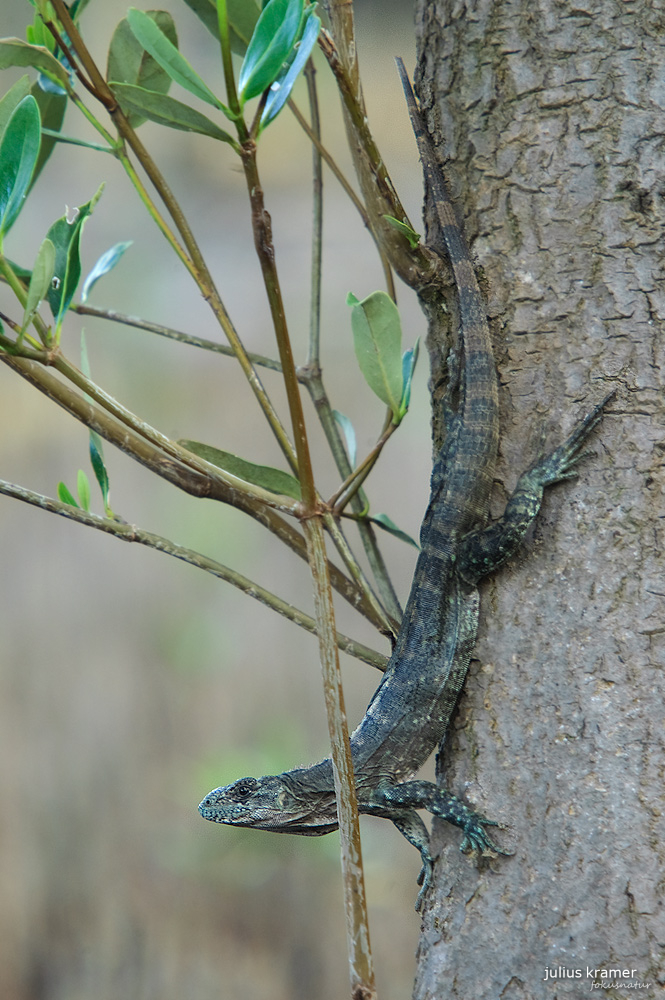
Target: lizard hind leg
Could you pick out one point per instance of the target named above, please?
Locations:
(409, 824)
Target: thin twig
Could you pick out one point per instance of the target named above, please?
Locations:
(361, 966)
(314, 137)
(311, 373)
(355, 902)
(263, 243)
(171, 334)
(355, 479)
(389, 626)
(316, 141)
(130, 533)
(415, 265)
(313, 352)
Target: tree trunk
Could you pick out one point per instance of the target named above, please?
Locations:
(552, 115)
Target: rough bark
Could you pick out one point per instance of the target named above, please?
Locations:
(553, 116)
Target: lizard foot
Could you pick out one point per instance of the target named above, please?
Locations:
(471, 823)
(561, 463)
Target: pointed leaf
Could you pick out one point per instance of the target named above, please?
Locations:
(106, 263)
(40, 281)
(258, 475)
(411, 235)
(95, 446)
(169, 58)
(349, 436)
(12, 99)
(383, 521)
(85, 363)
(242, 14)
(52, 112)
(83, 487)
(166, 111)
(128, 61)
(377, 339)
(19, 150)
(409, 360)
(66, 237)
(64, 496)
(274, 36)
(16, 52)
(24, 273)
(283, 85)
(77, 9)
(99, 467)
(38, 34)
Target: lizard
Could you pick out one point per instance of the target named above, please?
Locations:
(410, 712)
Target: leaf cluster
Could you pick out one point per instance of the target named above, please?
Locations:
(143, 61)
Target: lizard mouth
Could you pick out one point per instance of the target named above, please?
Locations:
(239, 814)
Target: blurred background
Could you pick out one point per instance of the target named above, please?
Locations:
(131, 684)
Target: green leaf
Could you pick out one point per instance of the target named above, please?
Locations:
(167, 111)
(383, 521)
(19, 150)
(128, 61)
(274, 36)
(409, 360)
(349, 436)
(16, 52)
(106, 263)
(66, 237)
(52, 112)
(166, 54)
(12, 99)
(83, 487)
(242, 14)
(85, 362)
(99, 468)
(95, 446)
(258, 475)
(64, 496)
(38, 34)
(24, 273)
(377, 339)
(283, 85)
(77, 9)
(40, 281)
(411, 235)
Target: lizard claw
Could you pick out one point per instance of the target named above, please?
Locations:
(424, 881)
(477, 839)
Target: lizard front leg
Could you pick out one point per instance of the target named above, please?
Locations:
(484, 550)
(399, 802)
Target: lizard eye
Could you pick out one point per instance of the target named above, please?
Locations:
(244, 787)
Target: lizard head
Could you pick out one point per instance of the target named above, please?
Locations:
(282, 803)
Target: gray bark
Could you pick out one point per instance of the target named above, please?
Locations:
(553, 115)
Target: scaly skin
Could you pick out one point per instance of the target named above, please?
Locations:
(410, 712)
